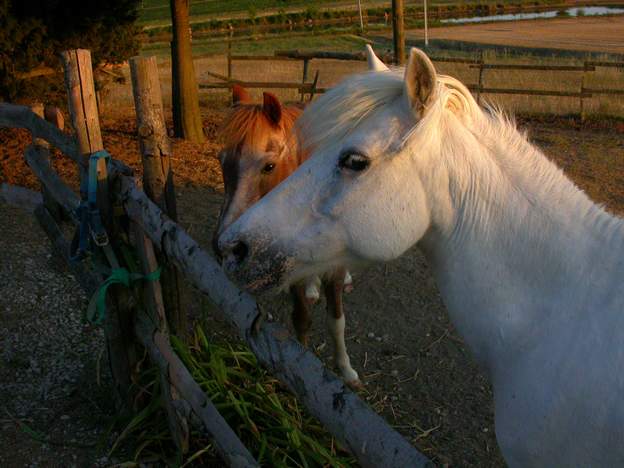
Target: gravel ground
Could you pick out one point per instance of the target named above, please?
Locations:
(48, 356)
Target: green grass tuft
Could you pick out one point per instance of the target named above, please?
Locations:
(267, 418)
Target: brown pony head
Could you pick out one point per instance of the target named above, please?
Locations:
(260, 150)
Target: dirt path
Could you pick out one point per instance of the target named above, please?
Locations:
(53, 413)
(605, 35)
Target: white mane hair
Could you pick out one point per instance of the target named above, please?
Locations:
(342, 108)
(451, 124)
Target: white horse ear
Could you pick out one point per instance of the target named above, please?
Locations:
(374, 64)
(420, 81)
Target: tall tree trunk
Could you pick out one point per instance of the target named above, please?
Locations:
(186, 116)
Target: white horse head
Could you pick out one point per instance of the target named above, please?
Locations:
(337, 199)
(529, 268)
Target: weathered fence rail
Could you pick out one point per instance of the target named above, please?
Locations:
(480, 88)
(142, 319)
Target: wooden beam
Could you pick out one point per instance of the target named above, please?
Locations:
(36, 158)
(320, 54)
(258, 84)
(596, 63)
(529, 92)
(20, 197)
(255, 58)
(36, 73)
(15, 116)
(616, 92)
(522, 66)
(342, 413)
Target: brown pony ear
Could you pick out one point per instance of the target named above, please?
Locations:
(240, 95)
(272, 108)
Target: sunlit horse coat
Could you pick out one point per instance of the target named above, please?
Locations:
(530, 269)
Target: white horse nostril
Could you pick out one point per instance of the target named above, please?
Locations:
(240, 251)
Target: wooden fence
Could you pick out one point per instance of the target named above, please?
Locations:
(479, 88)
(138, 316)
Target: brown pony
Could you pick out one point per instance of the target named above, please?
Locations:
(261, 150)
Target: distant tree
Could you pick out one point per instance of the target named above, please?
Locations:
(187, 122)
(33, 32)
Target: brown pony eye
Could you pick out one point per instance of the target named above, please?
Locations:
(268, 168)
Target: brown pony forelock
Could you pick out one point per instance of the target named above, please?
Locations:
(247, 124)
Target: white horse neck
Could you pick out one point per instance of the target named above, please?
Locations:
(520, 253)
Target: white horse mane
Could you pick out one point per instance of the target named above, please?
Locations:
(457, 117)
(341, 109)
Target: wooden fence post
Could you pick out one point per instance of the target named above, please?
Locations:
(581, 106)
(178, 411)
(229, 59)
(304, 79)
(157, 175)
(398, 29)
(229, 65)
(480, 77)
(85, 120)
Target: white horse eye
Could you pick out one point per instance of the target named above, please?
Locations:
(353, 161)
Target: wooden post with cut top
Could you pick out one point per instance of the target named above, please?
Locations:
(163, 297)
(86, 123)
(157, 175)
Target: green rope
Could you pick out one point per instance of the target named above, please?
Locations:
(96, 312)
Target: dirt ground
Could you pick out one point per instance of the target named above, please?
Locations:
(417, 371)
(604, 35)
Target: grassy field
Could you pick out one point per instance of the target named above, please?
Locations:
(339, 42)
(157, 9)
(156, 12)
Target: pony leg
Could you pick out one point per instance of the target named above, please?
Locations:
(301, 313)
(348, 283)
(313, 289)
(336, 326)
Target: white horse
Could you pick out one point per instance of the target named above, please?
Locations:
(529, 268)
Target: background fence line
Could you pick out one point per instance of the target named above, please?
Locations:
(310, 88)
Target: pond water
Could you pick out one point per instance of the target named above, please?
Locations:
(576, 11)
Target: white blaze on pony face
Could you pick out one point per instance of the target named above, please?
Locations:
(342, 206)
